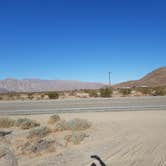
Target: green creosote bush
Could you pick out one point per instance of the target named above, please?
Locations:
(106, 92)
(125, 91)
(93, 93)
(53, 95)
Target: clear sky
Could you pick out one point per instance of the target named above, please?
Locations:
(82, 39)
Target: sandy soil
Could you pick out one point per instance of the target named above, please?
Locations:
(119, 138)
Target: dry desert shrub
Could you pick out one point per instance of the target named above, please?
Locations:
(25, 123)
(60, 126)
(6, 122)
(78, 124)
(8, 155)
(39, 146)
(54, 119)
(74, 125)
(38, 133)
(75, 138)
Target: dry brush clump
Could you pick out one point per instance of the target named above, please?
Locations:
(53, 119)
(38, 146)
(145, 90)
(38, 133)
(8, 155)
(60, 126)
(78, 124)
(75, 138)
(125, 91)
(25, 123)
(159, 91)
(6, 122)
(74, 125)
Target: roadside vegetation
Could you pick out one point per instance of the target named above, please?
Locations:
(53, 95)
(87, 93)
(125, 91)
(106, 92)
(159, 91)
(145, 90)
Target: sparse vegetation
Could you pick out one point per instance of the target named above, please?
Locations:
(159, 91)
(125, 91)
(74, 125)
(39, 146)
(155, 91)
(6, 152)
(39, 132)
(6, 122)
(93, 93)
(53, 95)
(145, 90)
(60, 126)
(25, 123)
(54, 119)
(78, 124)
(106, 92)
(75, 138)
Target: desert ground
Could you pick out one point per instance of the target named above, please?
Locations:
(119, 138)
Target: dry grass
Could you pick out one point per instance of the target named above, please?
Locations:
(75, 138)
(78, 124)
(25, 123)
(60, 126)
(39, 146)
(9, 156)
(54, 119)
(6, 122)
(74, 125)
(38, 133)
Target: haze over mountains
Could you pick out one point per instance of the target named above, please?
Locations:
(38, 85)
(153, 79)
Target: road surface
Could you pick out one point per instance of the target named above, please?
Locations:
(80, 105)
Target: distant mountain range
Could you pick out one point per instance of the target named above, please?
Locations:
(38, 85)
(153, 79)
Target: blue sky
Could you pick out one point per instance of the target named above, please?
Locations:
(82, 39)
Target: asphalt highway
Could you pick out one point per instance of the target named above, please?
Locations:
(82, 105)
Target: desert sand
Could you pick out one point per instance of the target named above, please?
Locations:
(119, 138)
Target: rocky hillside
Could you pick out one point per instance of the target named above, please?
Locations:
(153, 79)
(37, 85)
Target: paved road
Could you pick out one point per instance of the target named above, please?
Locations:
(79, 105)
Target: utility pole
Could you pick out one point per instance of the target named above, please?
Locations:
(109, 78)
